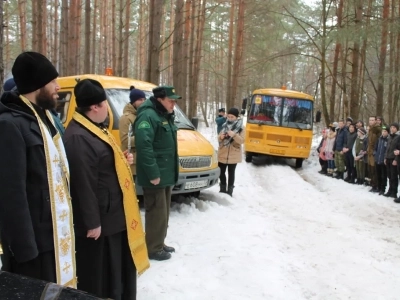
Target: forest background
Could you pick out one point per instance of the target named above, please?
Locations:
(344, 53)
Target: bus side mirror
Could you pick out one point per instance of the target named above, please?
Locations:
(195, 122)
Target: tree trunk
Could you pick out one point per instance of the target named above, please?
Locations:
(22, 23)
(86, 61)
(94, 43)
(229, 101)
(177, 52)
(56, 39)
(396, 94)
(64, 55)
(120, 38)
(197, 58)
(127, 54)
(155, 17)
(238, 54)
(382, 57)
(354, 94)
(335, 68)
(323, 65)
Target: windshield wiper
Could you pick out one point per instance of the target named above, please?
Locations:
(297, 125)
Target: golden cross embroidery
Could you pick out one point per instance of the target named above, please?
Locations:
(65, 245)
(127, 183)
(66, 267)
(56, 160)
(63, 215)
(134, 224)
(60, 192)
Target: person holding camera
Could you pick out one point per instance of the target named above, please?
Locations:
(220, 119)
(230, 141)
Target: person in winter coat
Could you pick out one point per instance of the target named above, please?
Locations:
(35, 204)
(157, 165)
(348, 151)
(379, 155)
(110, 241)
(136, 97)
(230, 140)
(359, 153)
(341, 134)
(321, 153)
(374, 133)
(390, 161)
(220, 119)
(329, 154)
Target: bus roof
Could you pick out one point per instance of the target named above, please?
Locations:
(107, 82)
(284, 93)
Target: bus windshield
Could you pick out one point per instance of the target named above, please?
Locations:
(281, 111)
(118, 98)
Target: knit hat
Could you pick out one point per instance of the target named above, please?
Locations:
(166, 91)
(136, 94)
(384, 127)
(89, 92)
(362, 130)
(9, 85)
(222, 109)
(395, 125)
(335, 124)
(32, 71)
(233, 111)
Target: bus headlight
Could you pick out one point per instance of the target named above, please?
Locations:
(215, 157)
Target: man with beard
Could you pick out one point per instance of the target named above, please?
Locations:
(110, 242)
(35, 208)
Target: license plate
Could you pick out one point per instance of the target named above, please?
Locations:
(276, 151)
(195, 184)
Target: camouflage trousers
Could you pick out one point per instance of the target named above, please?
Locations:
(339, 161)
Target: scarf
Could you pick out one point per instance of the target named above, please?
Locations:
(134, 227)
(60, 202)
(235, 126)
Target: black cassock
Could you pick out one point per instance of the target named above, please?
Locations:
(105, 266)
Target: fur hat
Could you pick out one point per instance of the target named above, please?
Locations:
(32, 71)
(136, 94)
(233, 111)
(89, 92)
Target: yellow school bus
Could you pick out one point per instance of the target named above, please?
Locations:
(279, 123)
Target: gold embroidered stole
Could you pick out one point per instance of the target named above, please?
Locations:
(60, 202)
(134, 227)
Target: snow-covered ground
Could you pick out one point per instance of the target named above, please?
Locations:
(285, 234)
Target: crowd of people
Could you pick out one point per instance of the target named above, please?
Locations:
(68, 207)
(364, 155)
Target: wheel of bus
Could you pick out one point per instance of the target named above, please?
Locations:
(299, 162)
(249, 157)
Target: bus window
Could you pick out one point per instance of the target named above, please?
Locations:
(63, 104)
(279, 111)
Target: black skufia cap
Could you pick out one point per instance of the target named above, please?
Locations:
(89, 92)
(32, 71)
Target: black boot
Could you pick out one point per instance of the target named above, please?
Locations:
(222, 188)
(339, 175)
(348, 178)
(160, 255)
(168, 249)
(230, 190)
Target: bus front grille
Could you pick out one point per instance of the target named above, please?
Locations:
(279, 137)
(195, 162)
